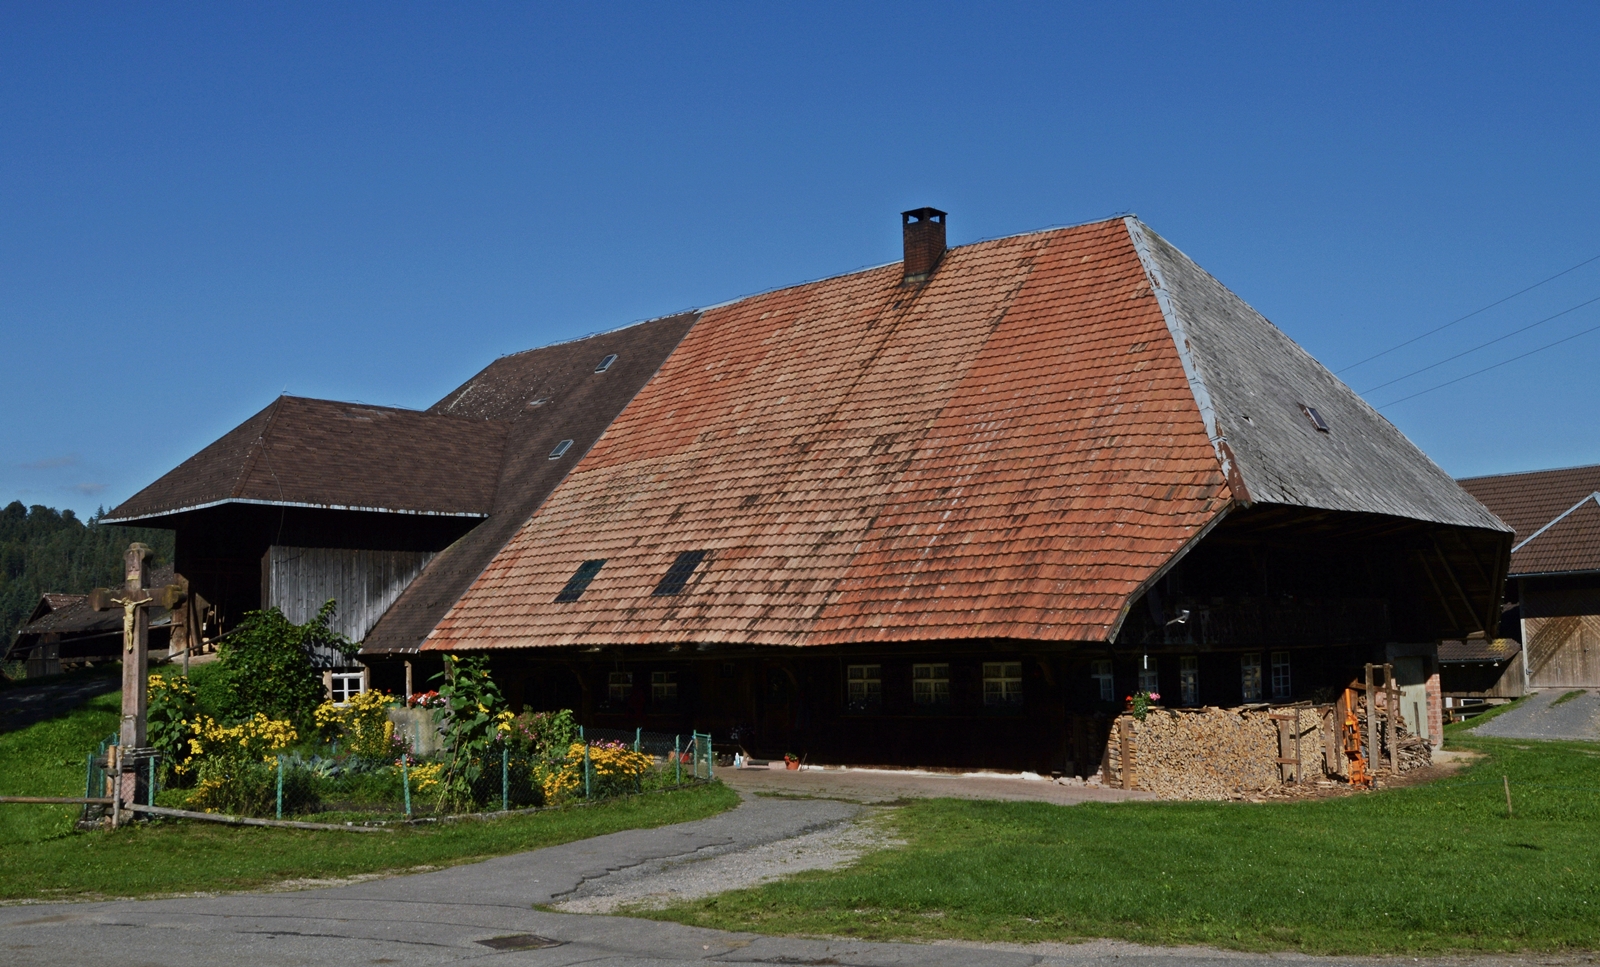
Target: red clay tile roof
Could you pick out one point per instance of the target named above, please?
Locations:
(575, 403)
(1010, 450)
(318, 453)
(1556, 514)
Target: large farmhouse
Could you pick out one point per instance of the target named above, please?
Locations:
(950, 511)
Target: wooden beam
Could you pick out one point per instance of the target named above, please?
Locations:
(248, 821)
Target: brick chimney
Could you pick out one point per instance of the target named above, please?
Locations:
(924, 239)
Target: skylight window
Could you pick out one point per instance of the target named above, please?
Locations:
(679, 573)
(561, 450)
(579, 582)
(605, 364)
(1315, 418)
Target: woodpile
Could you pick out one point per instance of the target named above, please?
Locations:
(1208, 753)
(1415, 750)
(1217, 753)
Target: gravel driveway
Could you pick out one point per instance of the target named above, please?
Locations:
(1539, 718)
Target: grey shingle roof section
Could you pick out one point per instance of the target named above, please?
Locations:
(1251, 381)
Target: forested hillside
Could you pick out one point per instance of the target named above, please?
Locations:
(42, 549)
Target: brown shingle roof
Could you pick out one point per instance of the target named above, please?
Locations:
(319, 453)
(1534, 505)
(1478, 650)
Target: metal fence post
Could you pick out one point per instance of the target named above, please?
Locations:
(677, 758)
(505, 778)
(638, 780)
(150, 783)
(585, 740)
(88, 778)
(405, 776)
(280, 785)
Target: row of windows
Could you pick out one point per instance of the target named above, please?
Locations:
(1189, 678)
(930, 684)
(663, 687)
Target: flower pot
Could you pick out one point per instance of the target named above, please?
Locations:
(791, 764)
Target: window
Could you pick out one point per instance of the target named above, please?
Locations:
(1250, 677)
(663, 687)
(930, 684)
(619, 686)
(605, 364)
(1315, 418)
(1189, 679)
(579, 582)
(561, 450)
(1100, 671)
(678, 574)
(1002, 683)
(346, 685)
(1280, 675)
(1149, 681)
(863, 687)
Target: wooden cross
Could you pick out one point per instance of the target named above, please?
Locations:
(135, 598)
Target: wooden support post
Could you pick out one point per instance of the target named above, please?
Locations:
(1372, 721)
(1126, 735)
(408, 680)
(1330, 744)
(1391, 701)
(1300, 761)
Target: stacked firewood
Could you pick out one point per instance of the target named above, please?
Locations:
(1208, 753)
(1415, 750)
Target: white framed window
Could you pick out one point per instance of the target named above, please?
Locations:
(1250, 677)
(619, 686)
(347, 685)
(864, 686)
(930, 684)
(1104, 683)
(1280, 676)
(1189, 679)
(1149, 681)
(1002, 683)
(664, 687)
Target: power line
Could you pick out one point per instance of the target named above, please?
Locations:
(1467, 316)
(1495, 366)
(1468, 352)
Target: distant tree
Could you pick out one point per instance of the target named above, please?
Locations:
(43, 549)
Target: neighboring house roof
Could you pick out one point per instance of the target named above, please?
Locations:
(70, 615)
(344, 456)
(1013, 449)
(1556, 514)
(1478, 650)
(544, 396)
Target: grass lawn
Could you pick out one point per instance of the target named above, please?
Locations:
(1425, 869)
(43, 857)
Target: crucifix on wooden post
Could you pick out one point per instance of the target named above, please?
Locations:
(135, 598)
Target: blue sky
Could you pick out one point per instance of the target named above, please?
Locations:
(203, 206)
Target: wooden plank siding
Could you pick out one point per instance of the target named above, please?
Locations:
(1563, 651)
(298, 580)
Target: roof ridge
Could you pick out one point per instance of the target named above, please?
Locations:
(256, 447)
(1530, 473)
(1558, 519)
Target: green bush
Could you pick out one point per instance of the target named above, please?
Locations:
(265, 667)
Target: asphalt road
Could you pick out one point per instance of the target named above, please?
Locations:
(456, 915)
(1538, 717)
